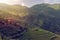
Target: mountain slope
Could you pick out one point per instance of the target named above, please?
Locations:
(45, 17)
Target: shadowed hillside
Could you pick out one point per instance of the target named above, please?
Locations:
(47, 16)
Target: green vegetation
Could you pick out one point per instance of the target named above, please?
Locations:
(38, 34)
(41, 20)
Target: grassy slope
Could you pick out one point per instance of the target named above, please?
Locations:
(38, 34)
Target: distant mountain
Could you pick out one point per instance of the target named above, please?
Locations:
(55, 6)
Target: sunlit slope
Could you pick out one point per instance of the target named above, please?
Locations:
(18, 10)
(14, 10)
(55, 6)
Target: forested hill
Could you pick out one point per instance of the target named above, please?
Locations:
(41, 18)
(46, 16)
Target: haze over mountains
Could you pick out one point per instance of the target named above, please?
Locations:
(29, 3)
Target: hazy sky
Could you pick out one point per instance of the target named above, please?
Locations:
(28, 2)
